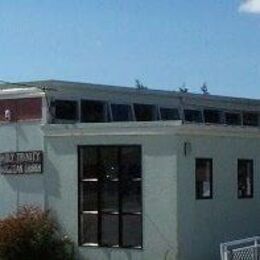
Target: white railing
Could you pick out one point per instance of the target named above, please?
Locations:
(244, 249)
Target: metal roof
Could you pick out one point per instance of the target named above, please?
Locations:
(59, 85)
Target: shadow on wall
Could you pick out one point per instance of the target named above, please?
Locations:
(51, 179)
(26, 183)
(64, 146)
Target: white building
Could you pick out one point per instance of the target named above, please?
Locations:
(132, 173)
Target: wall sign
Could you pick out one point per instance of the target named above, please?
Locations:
(21, 162)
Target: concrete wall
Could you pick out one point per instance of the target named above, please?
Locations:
(159, 193)
(174, 222)
(17, 190)
(204, 224)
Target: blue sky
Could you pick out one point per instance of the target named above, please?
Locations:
(162, 43)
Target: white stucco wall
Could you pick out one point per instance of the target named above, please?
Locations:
(204, 224)
(174, 222)
(18, 190)
(159, 191)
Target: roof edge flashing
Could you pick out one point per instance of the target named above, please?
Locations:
(20, 93)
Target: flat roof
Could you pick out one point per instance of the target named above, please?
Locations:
(60, 85)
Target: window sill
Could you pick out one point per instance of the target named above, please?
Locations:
(94, 245)
(241, 198)
(205, 198)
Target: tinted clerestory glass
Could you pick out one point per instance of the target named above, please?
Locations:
(193, 115)
(232, 118)
(121, 112)
(93, 111)
(66, 109)
(212, 116)
(250, 119)
(145, 112)
(169, 113)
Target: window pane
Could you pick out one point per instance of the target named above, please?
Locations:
(193, 115)
(21, 109)
(89, 162)
(101, 208)
(131, 197)
(169, 114)
(110, 230)
(245, 178)
(93, 111)
(89, 228)
(144, 112)
(132, 230)
(66, 109)
(8, 104)
(203, 178)
(212, 116)
(109, 165)
(110, 196)
(131, 162)
(232, 118)
(121, 112)
(89, 196)
(29, 108)
(250, 119)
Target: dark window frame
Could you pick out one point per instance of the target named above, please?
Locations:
(130, 112)
(219, 112)
(250, 123)
(154, 112)
(105, 111)
(99, 213)
(193, 110)
(172, 109)
(251, 161)
(76, 112)
(199, 196)
(233, 113)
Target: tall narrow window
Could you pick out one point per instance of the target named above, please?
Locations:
(203, 174)
(245, 178)
(110, 196)
(93, 111)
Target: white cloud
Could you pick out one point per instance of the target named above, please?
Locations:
(250, 6)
